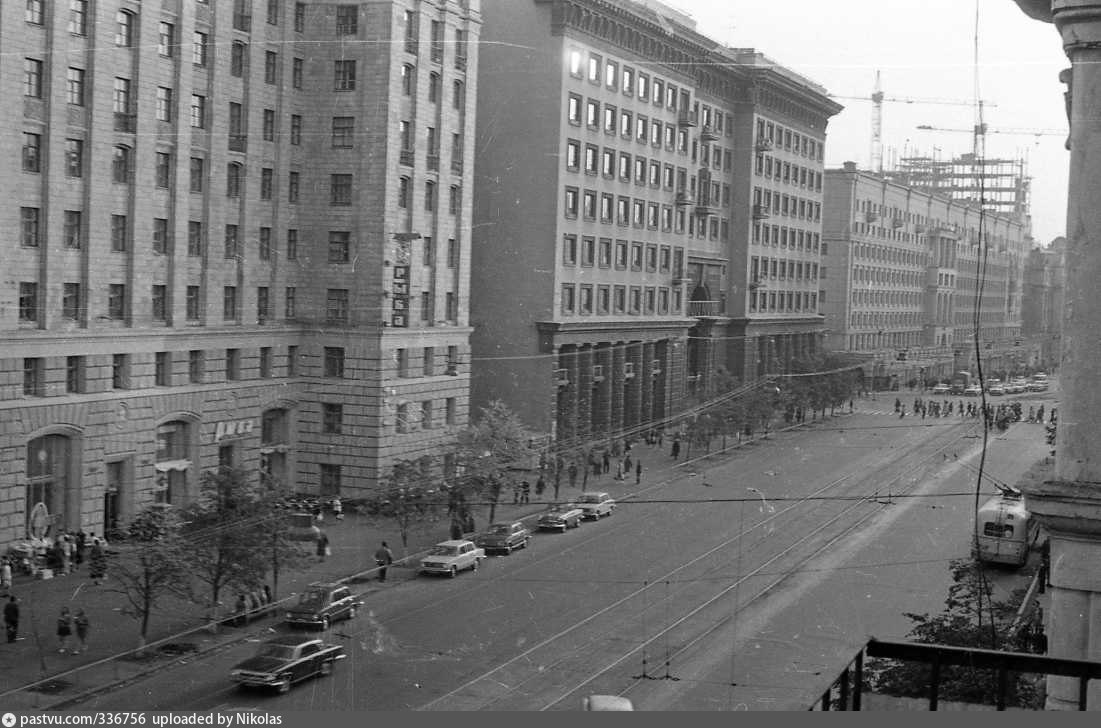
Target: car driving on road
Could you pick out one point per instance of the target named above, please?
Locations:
(283, 661)
(451, 557)
(561, 517)
(504, 536)
(322, 604)
(596, 504)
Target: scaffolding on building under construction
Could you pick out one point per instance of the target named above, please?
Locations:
(1003, 185)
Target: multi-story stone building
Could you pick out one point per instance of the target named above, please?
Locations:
(241, 237)
(1043, 303)
(616, 170)
(900, 273)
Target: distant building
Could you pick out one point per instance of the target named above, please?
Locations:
(1044, 301)
(626, 163)
(238, 238)
(900, 271)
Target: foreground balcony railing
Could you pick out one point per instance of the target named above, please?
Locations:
(848, 691)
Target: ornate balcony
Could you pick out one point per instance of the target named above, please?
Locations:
(686, 117)
(684, 199)
(705, 309)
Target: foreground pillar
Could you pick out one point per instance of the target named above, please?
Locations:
(1069, 506)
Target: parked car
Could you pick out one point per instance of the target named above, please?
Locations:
(1039, 385)
(322, 604)
(561, 517)
(504, 536)
(283, 661)
(596, 504)
(451, 557)
(996, 390)
(973, 390)
(940, 389)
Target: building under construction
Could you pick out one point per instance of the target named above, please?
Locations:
(1001, 184)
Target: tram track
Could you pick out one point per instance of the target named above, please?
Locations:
(517, 679)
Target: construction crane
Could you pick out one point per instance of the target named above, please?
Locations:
(877, 98)
(985, 129)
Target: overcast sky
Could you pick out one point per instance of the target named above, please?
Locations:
(924, 49)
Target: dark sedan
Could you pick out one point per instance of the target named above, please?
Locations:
(281, 662)
(322, 604)
(561, 518)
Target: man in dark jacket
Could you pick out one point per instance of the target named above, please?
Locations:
(11, 618)
(383, 558)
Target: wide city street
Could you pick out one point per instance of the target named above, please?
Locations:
(747, 582)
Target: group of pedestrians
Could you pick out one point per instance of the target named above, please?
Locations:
(68, 625)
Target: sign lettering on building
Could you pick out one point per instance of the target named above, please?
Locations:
(399, 297)
(232, 428)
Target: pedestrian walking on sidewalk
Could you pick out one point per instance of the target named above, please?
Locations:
(383, 558)
(676, 449)
(638, 472)
(525, 492)
(628, 464)
(80, 621)
(97, 564)
(64, 629)
(572, 471)
(322, 546)
(540, 486)
(81, 544)
(607, 461)
(11, 618)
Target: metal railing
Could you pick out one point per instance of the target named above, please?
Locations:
(847, 691)
(705, 308)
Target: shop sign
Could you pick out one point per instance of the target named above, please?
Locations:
(399, 297)
(232, 428)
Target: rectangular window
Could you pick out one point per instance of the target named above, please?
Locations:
(193, 303)
(332, 418)
(229, 303)
(344, 75)
(339, 246)
(160, 235)
(233, 364)
(194, 238)
(78, 17)
(35, 12)
(29, 224)
(162, 369)
(271, 66)
(162, 170)
(195, 366)
(267, 130)
(265, 243)
(330, 480)
(70, 301)
(296, 72)
(72, 234)
(340, 188)
(32, 152)
(347, 19)
(74, 157)
(266, 183)
(336, 305)
(28, 302)
(231, 248)
(166, 34)
(120, 234)
(289, 302)
(299, 17)
(568, 302)
(120, 371)
(33, 376)
(334, 362)
(237, 59)
(292, 244)
(32, 78)
(198, 48)
(343, 132)
(198, 111)
(75, 374)
(263, 304)
(292, 187)
(116, 301)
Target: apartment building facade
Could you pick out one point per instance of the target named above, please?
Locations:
(615, 149)
(243, 235)
(901, 272)
(1044, 301)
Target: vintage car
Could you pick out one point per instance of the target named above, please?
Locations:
(973, 390)
(941, 388)
(451, 557)
(504, 536)
(561, 517)
(283, 661)
(322, 604)
(596, 504)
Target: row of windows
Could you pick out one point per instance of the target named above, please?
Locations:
(643, 130)
(888, 298)
(611, 164)
(787, 205)
(787, 173)
(880, 319)
(784, 302)
(781, 269)
(409, 87)
(788, 140)
(586, 299)
(621, 254)
(409, 416)
(784, 237)
(864, 274)
(74, 307)
(888, 254)
(639, 213)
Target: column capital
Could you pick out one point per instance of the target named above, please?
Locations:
(1078, 21)
(1071, 510)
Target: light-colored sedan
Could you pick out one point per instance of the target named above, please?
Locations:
(451, 557)
(973, 391)
(561, 517)
(596, 504)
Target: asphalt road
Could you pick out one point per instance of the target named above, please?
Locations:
(779, 551)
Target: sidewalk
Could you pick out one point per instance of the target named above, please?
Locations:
(178, 634)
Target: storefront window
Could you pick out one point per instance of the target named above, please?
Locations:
(48, 478)
(173, 462)
(273, 446)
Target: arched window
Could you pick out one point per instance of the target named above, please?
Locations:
(120, 165)
(173, 462)
(49, 469)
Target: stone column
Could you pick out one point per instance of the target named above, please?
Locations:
(602, 401)
(648, 382)
(633, 394)
(1069, 506)
(567, 395)
(615, 382)
(584, 391)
